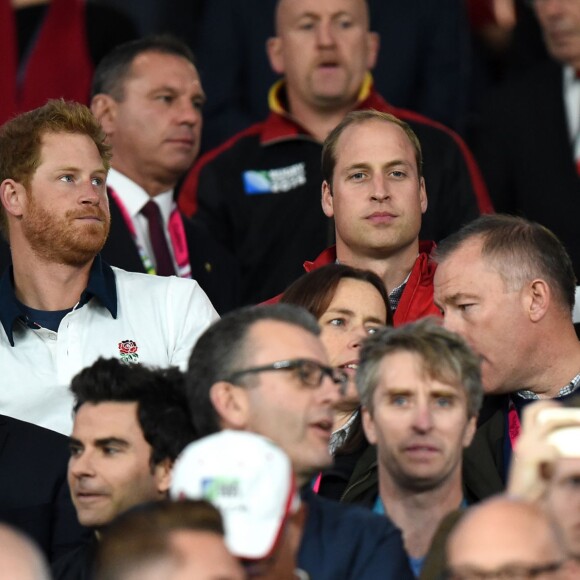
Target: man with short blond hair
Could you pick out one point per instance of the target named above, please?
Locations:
(420, 389)
(375, 191)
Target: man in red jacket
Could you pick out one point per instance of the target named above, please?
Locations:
(374, 189)
(258, 192)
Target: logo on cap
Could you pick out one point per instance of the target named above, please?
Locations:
(214, 488)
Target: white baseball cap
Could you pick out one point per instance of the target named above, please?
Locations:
(249, 479)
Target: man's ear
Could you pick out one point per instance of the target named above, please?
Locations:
(327, 200)
(537, 298)
(275, 56)
(13, 197)
(104, 109)
(423, 196)
(373, 46)
(162, 474)
(231, 404)
(369, 426)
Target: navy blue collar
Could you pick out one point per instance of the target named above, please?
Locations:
(101, 286)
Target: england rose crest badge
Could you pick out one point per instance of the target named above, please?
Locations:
(128, 351)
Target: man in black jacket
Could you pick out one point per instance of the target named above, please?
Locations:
(34, 493)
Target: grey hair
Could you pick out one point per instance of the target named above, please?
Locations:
(445, 357)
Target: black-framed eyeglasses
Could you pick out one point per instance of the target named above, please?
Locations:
(510, 572)
(310, 372)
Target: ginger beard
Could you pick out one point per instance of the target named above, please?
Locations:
(70, 239)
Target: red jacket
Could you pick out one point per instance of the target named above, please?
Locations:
(59, 64)
(417, 299)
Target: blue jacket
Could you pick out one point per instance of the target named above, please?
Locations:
(342, 542)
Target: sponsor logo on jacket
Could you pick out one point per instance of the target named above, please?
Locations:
(274, 180)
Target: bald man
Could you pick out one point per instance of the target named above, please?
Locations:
(507, 538)
(19, 557)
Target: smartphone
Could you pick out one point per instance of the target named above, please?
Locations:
(565, 439)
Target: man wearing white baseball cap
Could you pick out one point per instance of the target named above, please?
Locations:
(251, 481)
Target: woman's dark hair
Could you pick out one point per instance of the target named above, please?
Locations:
(314, 291)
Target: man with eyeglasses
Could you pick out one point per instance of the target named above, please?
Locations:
(264, 369)
(506, 539)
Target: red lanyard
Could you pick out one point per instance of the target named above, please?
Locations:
(176, 235)
(317, 482)
(514, 425)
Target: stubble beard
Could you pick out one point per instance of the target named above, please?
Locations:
(63, 240)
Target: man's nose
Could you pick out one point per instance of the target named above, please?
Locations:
(423, 418)
(380, 188)
(325, 34)
(190, 113)
(90, 194)
(81, 465)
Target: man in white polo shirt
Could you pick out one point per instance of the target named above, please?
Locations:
(61, 306)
